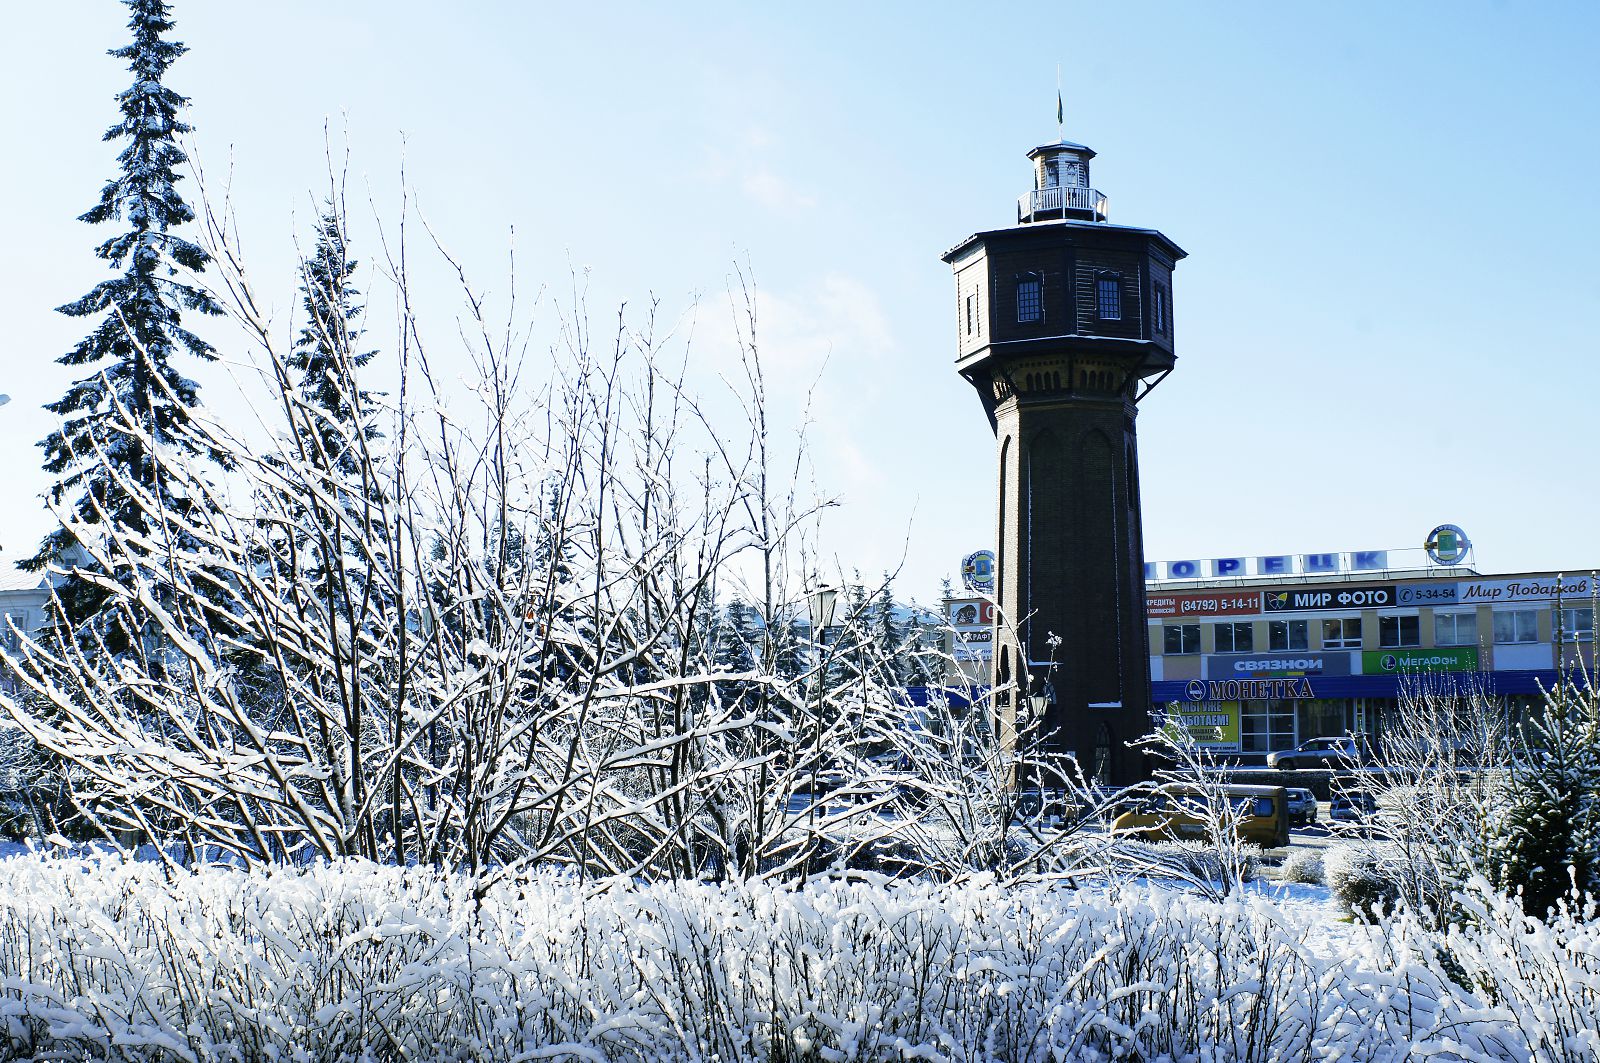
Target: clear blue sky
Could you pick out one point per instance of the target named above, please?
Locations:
(1386, 320)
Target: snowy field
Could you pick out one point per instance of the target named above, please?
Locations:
(104, 959)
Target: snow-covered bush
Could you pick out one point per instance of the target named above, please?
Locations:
(1364, 874)
(1187, 861)
(356, 961)
(1437, 787)
(492, 632)
(1303, 865)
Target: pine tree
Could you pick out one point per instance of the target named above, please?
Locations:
(325, 354)
(130, 351)
(738, 638)
(888, 633)
(336, 418)
(1550, 835)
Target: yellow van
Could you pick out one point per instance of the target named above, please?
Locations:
(1263, 813)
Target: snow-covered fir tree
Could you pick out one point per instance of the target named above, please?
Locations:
(129, 355)
(334, 423)
(738, 644)
(1550, 834)
(325, 356)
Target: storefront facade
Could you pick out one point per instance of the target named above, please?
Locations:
(1253, 668)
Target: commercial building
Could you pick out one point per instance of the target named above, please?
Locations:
(1257, 663)
(1254, 665)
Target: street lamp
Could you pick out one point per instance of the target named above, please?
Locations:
(1037, 704)
(822, 602)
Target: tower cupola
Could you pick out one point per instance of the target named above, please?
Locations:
(1061, 188)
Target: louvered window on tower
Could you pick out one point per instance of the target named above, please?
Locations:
(1030, 305)
(1109, 301)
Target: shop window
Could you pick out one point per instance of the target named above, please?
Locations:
(1030, 298)
(1455, 629)
(1235, 638)
(1399, 631)
(1180, 638)
(1288, 635)
(1577, 625)
(1516, 625)
(1265, 726)
(1108, 296)
(1341, 633)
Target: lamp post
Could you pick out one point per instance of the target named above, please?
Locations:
(1038, 704)
(821, 603)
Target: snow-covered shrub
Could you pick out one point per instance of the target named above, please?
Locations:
(1365, 876)
(358, 961)
(1437, 785)
(1304, 866)
(1187, 861)
(486, 631)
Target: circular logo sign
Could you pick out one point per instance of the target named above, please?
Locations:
(977, 570)
(1389, 662)
(1447, 544)
(1196, 690)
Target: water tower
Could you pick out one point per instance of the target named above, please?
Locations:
(1064, 323)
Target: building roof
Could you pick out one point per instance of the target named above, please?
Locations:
(15, 579)
(1061, 145)
(1065, 223)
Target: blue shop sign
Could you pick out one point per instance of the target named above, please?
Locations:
(1277, 664)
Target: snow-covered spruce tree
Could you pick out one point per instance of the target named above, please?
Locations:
(1550, 836)
(100, 460)
(326, 354)
(333, 424)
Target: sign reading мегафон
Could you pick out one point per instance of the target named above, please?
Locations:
(1441, 659)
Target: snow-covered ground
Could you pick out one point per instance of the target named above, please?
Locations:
(357, 961)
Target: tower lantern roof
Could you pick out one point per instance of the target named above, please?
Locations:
(1061, 188)
(1062, 146)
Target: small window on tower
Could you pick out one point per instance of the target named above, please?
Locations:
(1029, 303)
(1108, 302)
(972, 312)
(1160, 309)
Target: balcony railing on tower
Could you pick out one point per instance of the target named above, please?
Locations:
(1062, 201)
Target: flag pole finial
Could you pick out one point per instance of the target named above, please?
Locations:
(1060, 135)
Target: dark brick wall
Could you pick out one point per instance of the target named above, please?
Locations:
(1068, 531)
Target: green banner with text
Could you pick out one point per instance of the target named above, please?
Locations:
(1441, 659)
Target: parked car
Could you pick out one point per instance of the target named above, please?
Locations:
(1352, 809)
(1262, 815)
(1302, 807)
(1318, 753)
(1050, 806)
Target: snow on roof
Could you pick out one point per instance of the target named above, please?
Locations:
(15, 579)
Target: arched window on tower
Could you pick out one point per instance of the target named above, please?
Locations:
(1102, 754)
